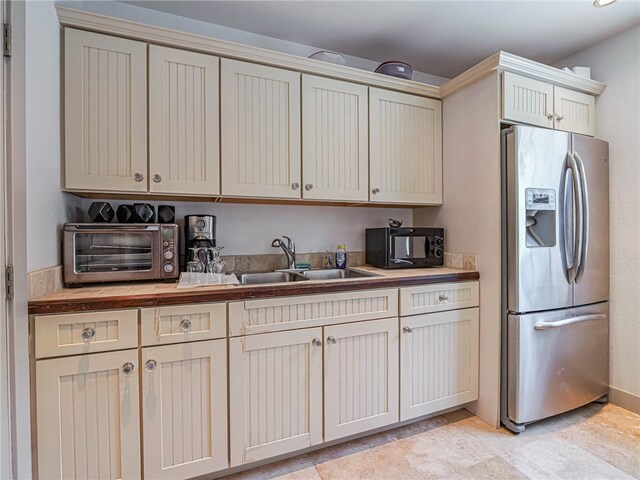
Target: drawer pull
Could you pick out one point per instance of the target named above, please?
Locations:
(127, 369)
(151, 365)
(185, 325)
(407, 329)
(443, 298)
(87, 334)
(331, 340)
(316, 342)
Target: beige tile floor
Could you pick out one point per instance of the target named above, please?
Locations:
(595, 442)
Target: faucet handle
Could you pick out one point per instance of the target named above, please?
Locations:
(290, 243)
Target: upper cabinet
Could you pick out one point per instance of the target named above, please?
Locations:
(335, 140)
(105, 112)
(184, 136)
(525, 100)
(260, 130)
(405, 162)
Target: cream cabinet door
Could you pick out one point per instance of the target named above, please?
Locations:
(260, 130)
(184, 409)
(438, 361)
(575, 111)
(275, 393)
(525, 100)
(335, 146)
(105, 84)
(361, 377)
(184, 137)
(405, 138)
(88, 423)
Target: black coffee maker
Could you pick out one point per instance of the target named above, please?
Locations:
(199, 231)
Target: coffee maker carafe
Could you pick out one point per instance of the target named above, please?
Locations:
(199, 231)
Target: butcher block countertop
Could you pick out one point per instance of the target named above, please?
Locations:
(151, 294)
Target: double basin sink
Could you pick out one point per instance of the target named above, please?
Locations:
(300, 276)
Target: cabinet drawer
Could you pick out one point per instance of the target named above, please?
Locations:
(260, 316)
(183, 323)
(438, 297)
(78, 333)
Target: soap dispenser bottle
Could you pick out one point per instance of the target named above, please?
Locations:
(341, 257)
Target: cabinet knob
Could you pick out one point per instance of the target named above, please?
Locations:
(127, 368)
(407, 329)
(151, 365)
(559, 118)
(316, 342)
(87, 334)
(156, 178)
(550, 116)
(308, 186)
(295, 186)
(443, 298)
(375, 191)
(138, 177)
(331, 340)
(185, 325)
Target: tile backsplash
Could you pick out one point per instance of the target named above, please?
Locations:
(461, 260)
(44, 281)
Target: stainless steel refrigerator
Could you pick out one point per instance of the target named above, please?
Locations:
(555, 330)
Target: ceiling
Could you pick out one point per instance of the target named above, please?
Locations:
(438, 37)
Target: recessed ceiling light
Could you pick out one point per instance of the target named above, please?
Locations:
(602, 3)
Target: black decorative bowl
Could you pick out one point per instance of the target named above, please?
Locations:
(144, 213)
(166, 214)
(125, 214)
(101, 212)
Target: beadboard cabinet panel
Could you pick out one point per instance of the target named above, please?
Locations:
(576, 111)
(260, 130)
(105, 112)
(360, 377)
(184, 409)
(184, 137)
(335, 147)
(285, 313)
(275, 387)
(405, 138)
(88, 421)
(526, 100)
(438, 361)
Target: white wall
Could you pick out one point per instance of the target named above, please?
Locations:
(616, 62)
(153, 17)
(249, 229)
(47, 206)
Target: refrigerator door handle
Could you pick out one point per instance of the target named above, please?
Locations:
(567, 217)
(578, 231)
(584, 234)
(568, 321)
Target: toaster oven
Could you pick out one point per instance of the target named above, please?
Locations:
(397, 247)
(95, 252)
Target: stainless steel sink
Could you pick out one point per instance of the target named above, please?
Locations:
(269, 277)
(335, 274)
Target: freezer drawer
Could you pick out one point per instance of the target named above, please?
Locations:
(557, 361)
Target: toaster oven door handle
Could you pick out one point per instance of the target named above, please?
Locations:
(97, 226)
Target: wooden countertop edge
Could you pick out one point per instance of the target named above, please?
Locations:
(44, 307)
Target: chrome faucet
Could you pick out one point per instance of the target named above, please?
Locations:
(289, 250)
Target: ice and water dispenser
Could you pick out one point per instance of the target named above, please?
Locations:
(541, 217)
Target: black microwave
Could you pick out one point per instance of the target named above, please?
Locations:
(404, 247)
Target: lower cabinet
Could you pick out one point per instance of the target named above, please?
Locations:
(184, 409)
(360, 377)
(275, 387)
(88, 422)
(438, 361)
